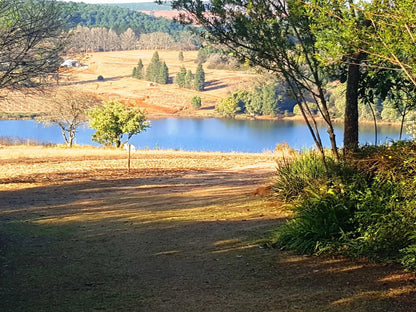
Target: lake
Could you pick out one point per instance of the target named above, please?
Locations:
(206, 134)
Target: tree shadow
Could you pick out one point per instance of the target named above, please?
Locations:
(116, 78)
(214, 85)
(187, 241)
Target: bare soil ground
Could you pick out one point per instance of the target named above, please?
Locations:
(158, 100)
(181, 232)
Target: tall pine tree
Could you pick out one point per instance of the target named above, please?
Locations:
(188, 79)
(163, 74)
(199, 79)
(153, 69)
(180, 77)
(139, 69)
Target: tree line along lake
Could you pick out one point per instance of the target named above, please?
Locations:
(211, 134)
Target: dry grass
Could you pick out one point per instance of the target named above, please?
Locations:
(180, 232)
(158, 101)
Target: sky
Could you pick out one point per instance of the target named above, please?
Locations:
(108, 1)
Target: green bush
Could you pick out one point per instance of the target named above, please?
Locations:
(408, 257)
(196, 102)
(228, 107)
(319, 222)
(308, 172)
(364, 209)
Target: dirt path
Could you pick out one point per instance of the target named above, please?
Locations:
(80, 234)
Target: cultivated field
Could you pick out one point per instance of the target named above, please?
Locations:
(157, 100)
(183, 231)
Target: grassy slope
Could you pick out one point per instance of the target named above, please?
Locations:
(159, 100)
(180, 232)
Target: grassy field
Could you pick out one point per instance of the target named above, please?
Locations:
(158, 100)
(183, 231)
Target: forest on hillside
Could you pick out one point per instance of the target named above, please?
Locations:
(117, 18)
(95, 27)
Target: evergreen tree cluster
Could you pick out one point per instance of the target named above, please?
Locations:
(185, 78)
(157, 71)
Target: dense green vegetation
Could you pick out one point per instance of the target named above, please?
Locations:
(157, 71)
(113, 122)
(196, 102)
(186, 79)
(267, 97)
(117, 18)
(363, 206)
(342, 58)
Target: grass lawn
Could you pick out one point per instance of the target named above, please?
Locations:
(183, 231)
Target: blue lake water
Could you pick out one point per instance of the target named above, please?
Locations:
(205, 134)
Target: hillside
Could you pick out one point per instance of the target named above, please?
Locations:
(158, 100)
(117, 18)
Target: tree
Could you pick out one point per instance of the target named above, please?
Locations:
(69, 112)
(339, 28)
(269, 100)
(275, 35)
(180, 56)
(153, 68)
(163, 74)
(31, 41)
(128, 40)
(188, 79)
(157, 70)
(392, 35)
(113, 120)
(180, 77)
(228, 107)
(138, 70)
(366, 35)
(199, 79)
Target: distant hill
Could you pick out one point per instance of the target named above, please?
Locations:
(169, 14)
(142, 6)
(118, 18)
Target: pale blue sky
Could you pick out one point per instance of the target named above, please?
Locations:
(108, 1)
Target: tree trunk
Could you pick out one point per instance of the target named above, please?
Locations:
(351, 105)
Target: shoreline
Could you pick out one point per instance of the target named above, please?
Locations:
(194, 115)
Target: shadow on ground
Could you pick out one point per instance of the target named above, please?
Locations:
(189, 241)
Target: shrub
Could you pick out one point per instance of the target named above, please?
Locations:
(100, 78)
(228, 107)
(318, 223)
(296, 177)
(196, 102)
(362, 207)
(408, 258)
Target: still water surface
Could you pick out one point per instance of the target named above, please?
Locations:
(205, 134)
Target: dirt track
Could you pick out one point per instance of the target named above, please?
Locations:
(180, 232)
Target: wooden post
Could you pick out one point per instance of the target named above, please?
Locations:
(129, 157)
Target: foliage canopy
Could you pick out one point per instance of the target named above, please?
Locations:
(31, 41)
(114, 120)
